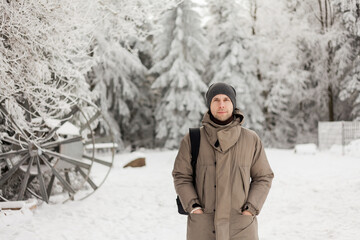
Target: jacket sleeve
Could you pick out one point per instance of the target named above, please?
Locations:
(261, 178)
(182, 174)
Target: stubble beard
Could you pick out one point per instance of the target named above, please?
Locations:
(222, 117)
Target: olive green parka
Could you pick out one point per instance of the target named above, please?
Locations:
(232, 172)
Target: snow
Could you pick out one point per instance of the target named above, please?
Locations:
(30, 203)
(10, 217)
(352, 149)
(309, 148)
(312, 197)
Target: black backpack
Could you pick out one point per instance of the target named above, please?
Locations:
(195, 145)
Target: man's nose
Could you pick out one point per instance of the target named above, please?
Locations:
(222, 104)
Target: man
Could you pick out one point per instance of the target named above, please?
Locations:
(233, 176)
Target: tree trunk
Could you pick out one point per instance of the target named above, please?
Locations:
(331, 103)
(321, 15)
(253, 12)
(326, 14)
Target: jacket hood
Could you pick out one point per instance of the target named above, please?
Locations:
(227, 135)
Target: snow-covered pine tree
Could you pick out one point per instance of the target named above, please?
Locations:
(322, 49)
(141, 130)
(324, 54)
(180, 55)
(119, 76)
(233, 57)
(349, 72)
(279, 33)
(277, 53)
(113, 78)
(331, 51)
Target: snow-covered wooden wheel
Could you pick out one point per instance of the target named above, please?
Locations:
(62, 158)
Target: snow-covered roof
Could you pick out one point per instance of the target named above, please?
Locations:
(66, 129)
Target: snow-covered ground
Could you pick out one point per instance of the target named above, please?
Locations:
(314, 196)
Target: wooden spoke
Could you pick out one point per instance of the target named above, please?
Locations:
(92, 184)
(8, 174)
(68, 159)
(67, 177)
(43, 191)
(49, 188)
(108, 164)
(65, 141)
(93, 118)
(104, 139)
(33, 193)
(74, 110)
(11, 153)
(15, 141)
(25, 180)
(57, 174)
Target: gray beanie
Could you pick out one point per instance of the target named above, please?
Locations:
(221, 88)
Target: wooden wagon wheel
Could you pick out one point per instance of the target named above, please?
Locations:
(55, 157)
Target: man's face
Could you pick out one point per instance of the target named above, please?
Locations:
(221, 107)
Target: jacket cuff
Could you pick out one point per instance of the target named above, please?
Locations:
(249, 207)
(193, 203)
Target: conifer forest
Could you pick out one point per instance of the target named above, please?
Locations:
(148, 64)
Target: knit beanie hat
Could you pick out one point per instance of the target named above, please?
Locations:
(221, 88)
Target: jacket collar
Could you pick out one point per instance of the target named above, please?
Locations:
(227, 135)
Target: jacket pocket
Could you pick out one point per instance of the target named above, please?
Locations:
(240, 188)
(243, 227)
(245, 176)
(201, 227)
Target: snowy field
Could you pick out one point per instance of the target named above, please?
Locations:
(315, 196)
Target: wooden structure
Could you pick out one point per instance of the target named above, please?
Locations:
(49, 158)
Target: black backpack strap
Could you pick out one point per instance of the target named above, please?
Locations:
(195, 145)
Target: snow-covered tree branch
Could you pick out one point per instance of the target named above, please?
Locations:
(44, 56)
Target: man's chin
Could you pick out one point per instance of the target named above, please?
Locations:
(222, 118)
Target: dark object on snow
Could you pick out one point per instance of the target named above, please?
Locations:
(139, 162)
